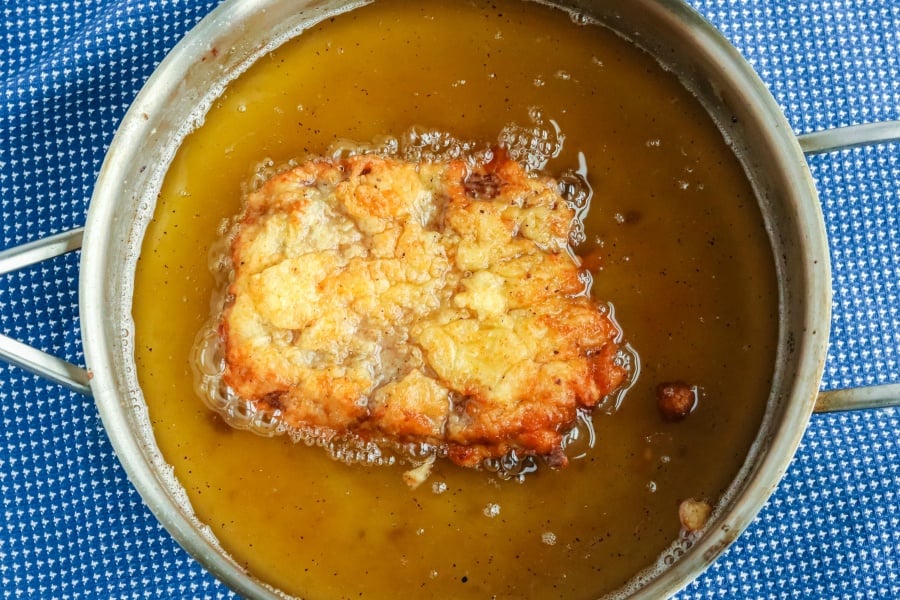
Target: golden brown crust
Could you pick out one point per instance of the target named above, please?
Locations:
(417, 303)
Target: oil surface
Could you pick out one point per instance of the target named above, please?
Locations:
(673, 237)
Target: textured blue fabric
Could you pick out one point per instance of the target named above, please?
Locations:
(72, 525)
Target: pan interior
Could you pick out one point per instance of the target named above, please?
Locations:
(225, 45)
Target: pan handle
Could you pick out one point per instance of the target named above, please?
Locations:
(841, 138)
(31, 359)
(829, 140)
(876, 396)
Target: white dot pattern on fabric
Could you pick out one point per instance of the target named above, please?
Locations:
(73, 526)
(862, 224)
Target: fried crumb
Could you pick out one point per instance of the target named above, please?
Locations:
(675, 400)
(418, 475)
(694, 514)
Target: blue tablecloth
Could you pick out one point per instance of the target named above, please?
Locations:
(73, 526)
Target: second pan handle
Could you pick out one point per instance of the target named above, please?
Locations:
(830, 140)
(22, 355)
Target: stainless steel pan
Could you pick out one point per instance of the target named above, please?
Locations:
(177, 96)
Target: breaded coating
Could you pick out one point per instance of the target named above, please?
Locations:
(416, 303)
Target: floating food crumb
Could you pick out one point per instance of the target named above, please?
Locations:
(694, 514)
(676, 400)
(417, 475)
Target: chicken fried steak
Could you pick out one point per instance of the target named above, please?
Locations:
(416, 303)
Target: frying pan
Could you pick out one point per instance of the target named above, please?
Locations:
(177, 95)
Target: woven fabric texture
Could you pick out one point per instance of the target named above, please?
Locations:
(72, 525)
